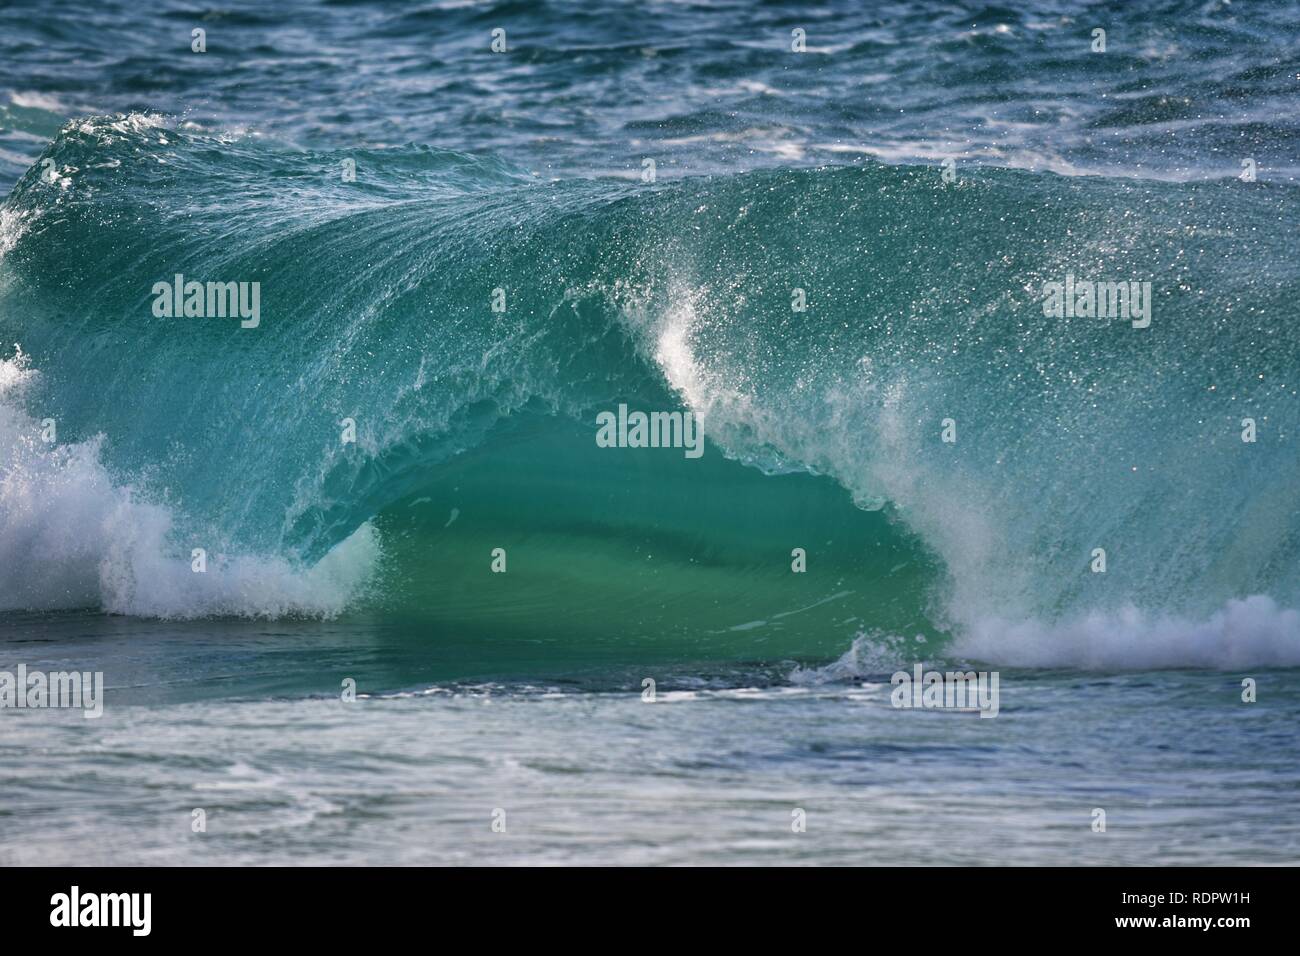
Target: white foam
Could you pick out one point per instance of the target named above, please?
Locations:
(70, 537)
(39, 101)
(12, 225)
(1246, 633)
(1251, 632)
(871, 654)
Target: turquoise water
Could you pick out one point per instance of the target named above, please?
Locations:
(517, 179)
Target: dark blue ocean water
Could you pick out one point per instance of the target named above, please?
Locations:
(1183, 90)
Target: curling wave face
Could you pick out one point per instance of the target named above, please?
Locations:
(824, 428)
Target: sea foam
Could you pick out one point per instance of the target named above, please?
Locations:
(72, 537)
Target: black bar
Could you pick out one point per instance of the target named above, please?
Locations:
(331, 906)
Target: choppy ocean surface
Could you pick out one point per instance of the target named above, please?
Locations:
(523, 179)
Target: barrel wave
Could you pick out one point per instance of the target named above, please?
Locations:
(921, 319)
